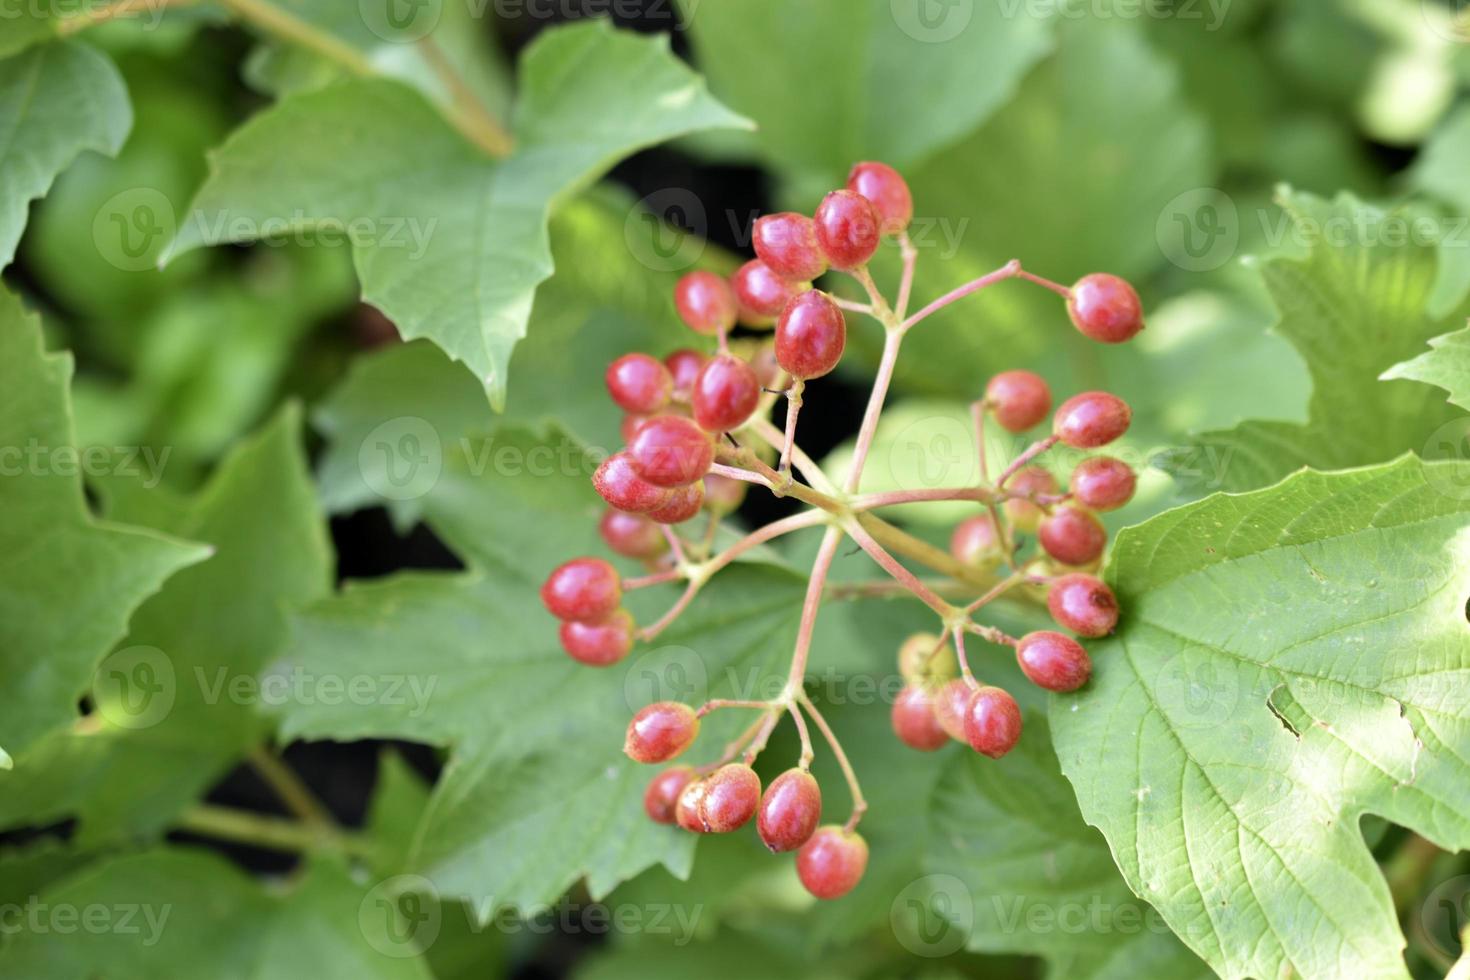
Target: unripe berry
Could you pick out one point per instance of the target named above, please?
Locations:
(975, 541)
(887, 190)
(660, 732)
(683, 503)
(832, 862)
(1105, 308)
(914, 722)
(810, 335)
(684, 366)
(599, 644)
(924, 657)
(762, 294)
(790, 811)
(787, 244)
(1103, 483)
(1033, 480)
(639, 383)
(951, 703)
(670, 451)
(1083, 604)
(662, 794)
(686, 811)
(1072, 535)
(705, 302)
(1091, 419)
(847, 229)
(631, 535)
(1053, 661)
(725, 393)
(992, 722)
(731, 795)
(1019, 399)
(723, 495)
(620, 485)
(584, 589)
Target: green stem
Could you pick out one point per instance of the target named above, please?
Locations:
(294, 793)
(270, 833)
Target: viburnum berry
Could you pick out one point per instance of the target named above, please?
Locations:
(768, 370)
(787, 243)
(925, 657)
(810, 335)
(725, 394)
(914, 722)
(1103, 483)
(1105, 308)
(662, 794)
(660, 732)
(619, 484)
(1019, 399)
(670, 451)
(639, 383)
(730, 798)
(686, 810)
(1072, 535)
(630, 425)
(599, 644)
(847, 229)
(992, 722)
(761, 293)
(631, 535)
(887, 190)
(722, 494)
(951, 703)
(584, 589)
(1035, 481)
(1083, 604)
(683, 503)
(975, 541)
(790, 811)
(1053, 661)
(832, 862)
(684, 366)
(705, 302)
(1091, 419)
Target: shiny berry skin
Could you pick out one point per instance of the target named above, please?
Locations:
(1091, 419)
(810, 336)
(761, 293)
(1103, 483)
(587, 590)
(974, 541)
(660, 732)
(950, 704)
(620, 485)
(599, 644)
(662, 794)
(790, 811)
(1105, 308)
(725, 394)
(832, 862)
(639, 383)
(1083, 604)
(1053, 661)
(684, 365)
(631, 535)
(731, 795)
(1036, 480)
(787, 244)
(887, 190)
(705, 302)
(922, 657)
(992, 722)
(1072, 535)
(847, 229)
(683, 503)
(914, 722)
(670, 451)
(1019, 399)
(686, 810)
(723, 495)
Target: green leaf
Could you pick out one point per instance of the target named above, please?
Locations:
(68, 583)
(55, 101)
(27, 24)
(1446, 365)
(1289, 660)
(450, 245)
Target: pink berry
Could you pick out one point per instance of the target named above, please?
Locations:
(683, 503)
(705, 302)
(974, 540)
(1103, 483)
(762, 293)
(1105, 308)
(950, 704)
(639, 383)
(631, 535)
(847, 229)
(888, 191)
(1019, 399)
(686, 810)
(722, 494)
(587, 590)
(1091, 419)
(767, 369)
(914, 722)
(660, 732)
(684, 365)
(832, 862)
(1053, 661)
(1072, 535)
(670, 451)
(725, 394)
(662, 795)
(810, 335)
(620, 485)
(787, 244)
(630, 425)
(1083, 604)
(1033, 480)
(599, 644)
(992, 722)
(790, 811)
(731, 795)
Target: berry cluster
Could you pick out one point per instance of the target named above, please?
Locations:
(697, 434)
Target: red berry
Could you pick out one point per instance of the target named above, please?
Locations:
(725, 394)
(974, 540)
(599, 644)
(731, 795)
(1103, 483)
(683, 503)
(639, 383)
(1019, 399)
(722, 494)
(660, 731)
(662, 794)
(631, 535)
(686, 811)
(684, 365)
(670, 451)
(1073, 536)
(992, 722)
(1053, 661)
(790, 811)
(925, 657)
(620, 485)
(847, 229)
(705, 302)
(787, 244)
(1083, 604)
(832, 862)
(630, 425)
(914, 722)
(950, 704)
(888, 191)
(767, 369)
(810, 335)
(1034, 480)
(1105, 308)
(1091, 419)
(762, 293)
(584, 589)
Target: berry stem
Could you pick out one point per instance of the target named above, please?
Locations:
(895, 568)
(891, 343)
(978, 411)
(859, 804)
(763, 733)
(887, 588)
(1032, 451)
(959, 651)
(793, 409)
(1055, 287)
(774, 437)
(657, 578)
(719, 703)
(1000, 589)
(732, 748)
(992, 635)
(851, 307)
(1007, 271)
(805, 762)
(893, 498)
(816, 586)
(676, 547)
(906, 284)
